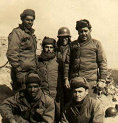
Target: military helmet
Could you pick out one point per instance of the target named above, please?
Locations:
(110, 112)
(63, 31)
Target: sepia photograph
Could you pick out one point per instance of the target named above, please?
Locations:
(58, 61)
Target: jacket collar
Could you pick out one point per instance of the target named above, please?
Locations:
(63, 48)
(39, 98)
(80, 108)
(81, 43)
(31, 31)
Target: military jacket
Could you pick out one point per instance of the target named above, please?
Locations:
(21, 51)
(86, 59)
(89, 111)
(41, 110)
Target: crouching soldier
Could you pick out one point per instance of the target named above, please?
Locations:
(82, 108)
(30, 105)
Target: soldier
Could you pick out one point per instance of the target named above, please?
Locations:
(48, 71)
(21, 51)
(87, 58)
(30, 105)
(48, 67)
(82, 108)
(63, 49)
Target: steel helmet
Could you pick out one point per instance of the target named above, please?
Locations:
(110, 112)
(63, 31)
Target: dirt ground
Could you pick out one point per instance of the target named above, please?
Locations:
(6, 90)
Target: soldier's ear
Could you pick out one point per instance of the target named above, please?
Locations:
(90, 30)
(87, 91)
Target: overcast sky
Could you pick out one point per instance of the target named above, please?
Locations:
(53, 14)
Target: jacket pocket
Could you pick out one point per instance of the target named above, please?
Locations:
(26, 43)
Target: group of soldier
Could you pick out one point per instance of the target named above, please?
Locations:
(57, 85)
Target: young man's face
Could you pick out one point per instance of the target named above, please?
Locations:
(84, 33)
(28, 22)
(64, 40)
(32, 89)
(49, 48)
(79, 94)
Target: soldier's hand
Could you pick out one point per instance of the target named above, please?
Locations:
(67, 84)
(101, 83)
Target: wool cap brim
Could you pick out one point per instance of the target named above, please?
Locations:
(27, 12)
(79, 82)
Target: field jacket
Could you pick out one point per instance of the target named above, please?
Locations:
(48, 71)
(86, 59)
(89, 111)
(21, 51)
(40, 111)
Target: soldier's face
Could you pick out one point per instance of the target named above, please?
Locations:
(84, 33)
(64, 40)
(79, 94)
(28, 22)
(49, 48)
(33, 89)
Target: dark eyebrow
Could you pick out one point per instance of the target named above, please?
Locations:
(30, 19)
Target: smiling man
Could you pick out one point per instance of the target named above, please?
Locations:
(82, 108)
(21, 51)
(87, 58)
(30, 105)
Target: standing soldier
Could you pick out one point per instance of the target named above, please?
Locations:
(48, 71)
(63, 49)
(21, 51)
(87, 58)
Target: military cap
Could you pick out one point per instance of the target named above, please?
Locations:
(83, 23)
(33, 78)
(48, 40)
(27, 12)
(79, 82)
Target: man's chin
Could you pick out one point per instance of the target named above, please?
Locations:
(33, 95)
(28, 27)
(84, 39)
(78, 100)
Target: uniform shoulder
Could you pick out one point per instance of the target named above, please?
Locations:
(96, 41)
(95, 101)
(16, 98)
(16, 30)
(74, 44)
(48, 99)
